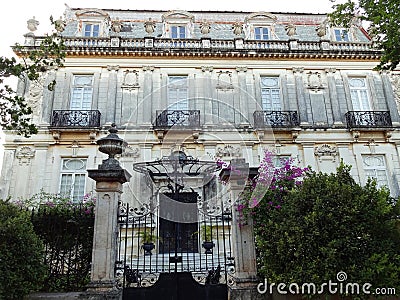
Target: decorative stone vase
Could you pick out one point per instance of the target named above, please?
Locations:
(147, 247)
(208, 245)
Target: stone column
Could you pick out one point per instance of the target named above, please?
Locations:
(243, 243)
(207, 87)
(109, 179)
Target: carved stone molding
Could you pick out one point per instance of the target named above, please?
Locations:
(297, 70)
(114, 68)
(207, 69)
(330, 71)
(241, 69)
(228, 151)
(24, 155)
(148, 68)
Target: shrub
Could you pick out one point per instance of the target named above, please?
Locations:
(21, 253)
(329, 224)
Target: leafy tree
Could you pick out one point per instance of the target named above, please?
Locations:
(14, 110)
(383, 17)
(328, 224)
(21, 253)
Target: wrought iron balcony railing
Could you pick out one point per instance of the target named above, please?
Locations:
(276, 119)
(75, 119)
(368, 119)
(177, 119)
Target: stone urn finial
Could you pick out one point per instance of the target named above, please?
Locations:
(149, 26)
(205, 28)
(111, 145)
(290, 30)
(32, 24)
(116, 25)
(60, 24)
(237, 28)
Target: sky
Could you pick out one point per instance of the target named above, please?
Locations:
(14, 14)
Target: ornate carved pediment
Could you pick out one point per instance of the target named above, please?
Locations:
(264, 17)
(177, 14)
(97, 13)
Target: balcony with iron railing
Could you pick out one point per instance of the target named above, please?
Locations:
(177, 119)
(368, 119)
(75, 119)
(275, 119)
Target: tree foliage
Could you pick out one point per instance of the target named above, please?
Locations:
(15, 112)
(383, 19)
(326, 225)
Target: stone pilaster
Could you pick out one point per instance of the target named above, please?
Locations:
(301, 98)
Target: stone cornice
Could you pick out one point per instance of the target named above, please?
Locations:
(166, 48)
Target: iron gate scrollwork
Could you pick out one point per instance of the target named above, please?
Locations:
(176, 244)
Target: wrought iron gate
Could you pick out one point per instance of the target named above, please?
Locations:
(180, 260)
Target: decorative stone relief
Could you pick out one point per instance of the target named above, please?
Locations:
(224, 80)
(149, 26)
(131, 79)
(116, 25)
(131, 152)
(290, 30)
(322, 29)
(395, 80)
(35, 97)
(314, 81)
(60, 24)
(237, 28)
(24, 155)
(228, 151)
(205, 28)
(326, 150)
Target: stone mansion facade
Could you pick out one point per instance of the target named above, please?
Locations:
(212, 84)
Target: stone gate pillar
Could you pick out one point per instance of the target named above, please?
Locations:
(243, 243)
(109, 179)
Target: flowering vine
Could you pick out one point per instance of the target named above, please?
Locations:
(269, 187)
